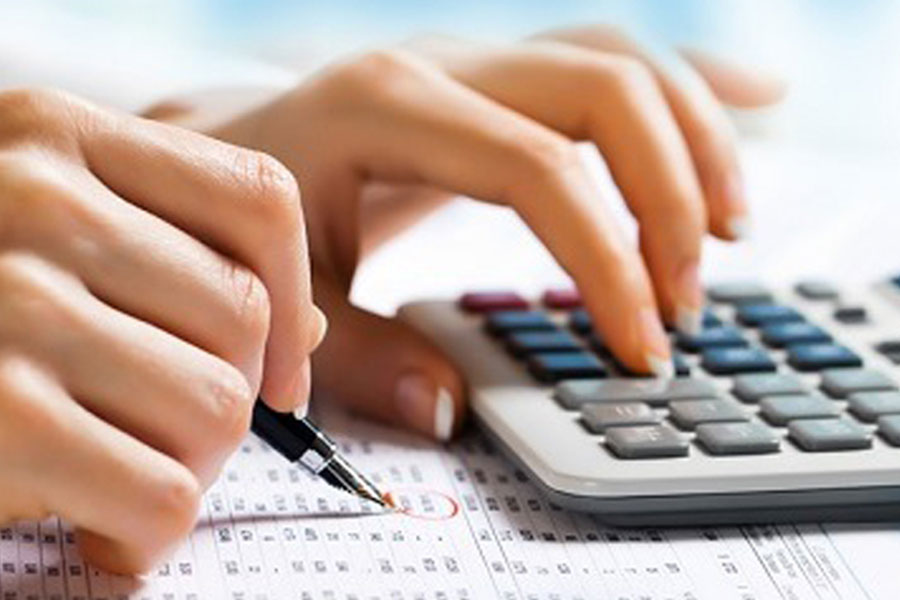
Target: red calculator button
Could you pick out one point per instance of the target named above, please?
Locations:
(480, 302)
(563, 298)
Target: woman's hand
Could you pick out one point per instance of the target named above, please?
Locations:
(382, 137)
(152, 282)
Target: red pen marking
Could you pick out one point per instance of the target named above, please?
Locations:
(423, 503)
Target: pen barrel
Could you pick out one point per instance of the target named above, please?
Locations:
(298, 440)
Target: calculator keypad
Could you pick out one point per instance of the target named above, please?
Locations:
(759, 347)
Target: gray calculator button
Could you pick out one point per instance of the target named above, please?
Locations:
(840, 383)
(778, 410)
(646, 441)
(753, 387)
(889, 428)
(738, 438)
(822, 435)
(868, 406)
(574, 394)
(690, 413)
(739, 293)
(598, 417)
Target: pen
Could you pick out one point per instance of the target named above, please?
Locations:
(302, 442)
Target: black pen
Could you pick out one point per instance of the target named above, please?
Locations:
(301, 442)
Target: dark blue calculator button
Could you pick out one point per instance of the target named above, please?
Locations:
(814, 357)
(712, 337)
(505, 321)
(709, 319)
(779, 335)
(523, 343)
(580, 321)
(556, 366)
(727, 361)
(756, 315)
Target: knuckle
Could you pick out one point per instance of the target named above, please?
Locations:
(231, 405)
(272, 186)
(252, 309)
(629, 77)
(30, 111)
(379, 72)
(34, 292)
(176, 498)
(548, 157)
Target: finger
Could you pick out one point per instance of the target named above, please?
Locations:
(615, 103)
(416, 124)
(173, 396)
(736, 85)
(388, 209)
(242, 203)
(143, 266)
(383, 369)
(707, 130)
(129, 502)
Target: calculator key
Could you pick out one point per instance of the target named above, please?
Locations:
(682, 368)
(851, 314)
(562, 299)
(729, 361)
(506, 321)
(822, 435)
(756, 315)
(690, 413)
(890, 349)
(739, 293)
(523, 343)
(814, 357)
(868, 406)
(481, 302)
(680, 365)
(889, 428)
(599, 417)
(725, 336)
(738, 438)
(816, 290)
(709, 319)
(778, 410)
(840, 383)
(646, 441)
(580, 321)
(755, 386)
(656, 392)
(779, 335)
(556, 366)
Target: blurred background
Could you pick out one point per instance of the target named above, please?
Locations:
(822, 167)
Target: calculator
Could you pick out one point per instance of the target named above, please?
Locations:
(785, 407)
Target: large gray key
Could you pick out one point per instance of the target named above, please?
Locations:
(575, 393)
(868, 406)
(646, 441)
(889, 428)
(690, 413)
(778, 410)
(822, 435)
(752, 387)
(738, 438)
(598, 417)
(739, 292)
(840, 383)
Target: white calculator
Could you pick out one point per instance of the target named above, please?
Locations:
(784, 408)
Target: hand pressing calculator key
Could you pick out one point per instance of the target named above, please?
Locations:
(782, 408)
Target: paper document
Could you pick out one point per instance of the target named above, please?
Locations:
(474, 528)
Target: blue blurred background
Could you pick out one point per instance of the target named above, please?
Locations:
(841, 57)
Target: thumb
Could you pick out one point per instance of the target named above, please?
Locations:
(735, 85)
(385, 370)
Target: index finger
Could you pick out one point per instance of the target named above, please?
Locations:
(244, 204)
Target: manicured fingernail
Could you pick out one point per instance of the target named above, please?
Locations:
(739, 226)
(656, 344)
(690, 300)
(443, 415)
(301, 411)
(424, 406)
(320, 326)
(660, 367)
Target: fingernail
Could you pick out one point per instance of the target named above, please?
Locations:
(301, 411)
(739, 227)
(690, 300)
(656, 344)
(320, 326)
(424, 406)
